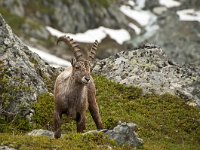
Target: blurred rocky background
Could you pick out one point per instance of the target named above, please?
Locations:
(173, 25)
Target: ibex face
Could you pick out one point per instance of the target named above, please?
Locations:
(80, 65)
(81, 71)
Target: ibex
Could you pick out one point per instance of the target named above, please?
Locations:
(74, 90)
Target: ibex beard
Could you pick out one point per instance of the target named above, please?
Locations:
(74, 90)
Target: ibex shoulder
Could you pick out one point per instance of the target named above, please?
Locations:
(65, 74)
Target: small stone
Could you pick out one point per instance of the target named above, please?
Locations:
(131, 125)
(6, 148)
(41, 132)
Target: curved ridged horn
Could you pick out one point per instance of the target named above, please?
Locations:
(93, 49)
(69, 41)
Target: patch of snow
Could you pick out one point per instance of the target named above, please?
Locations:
(189, 15)
(54, 32)
(120, 35)
(131, 3)
(51, 59)
(140, 3)
(169, 3)
(144, 18)
(135, 28)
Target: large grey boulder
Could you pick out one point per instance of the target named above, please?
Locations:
(149, 68)
(124, 134)
(23, 75)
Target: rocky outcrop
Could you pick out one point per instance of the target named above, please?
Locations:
(23, 75)
(150, 69)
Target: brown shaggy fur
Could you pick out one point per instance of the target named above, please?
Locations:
(75, 92)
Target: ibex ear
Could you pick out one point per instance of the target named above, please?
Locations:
(92, 65)
(73, 62)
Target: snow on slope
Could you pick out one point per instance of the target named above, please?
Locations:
(142, 17)
(51, 59)
(169, 3)
(120, 35)
(189, 15)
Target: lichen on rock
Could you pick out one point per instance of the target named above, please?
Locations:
(149, 68)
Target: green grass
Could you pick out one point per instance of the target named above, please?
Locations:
(164, 122)
(70, 141)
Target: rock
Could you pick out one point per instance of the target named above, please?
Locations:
(23, 75)
(124, 134)
(149, 68)
(6, 148)
(151, 4)
(41, 132)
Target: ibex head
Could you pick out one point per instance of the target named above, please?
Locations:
(81, 65)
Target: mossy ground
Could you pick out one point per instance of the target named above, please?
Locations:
(164, 122)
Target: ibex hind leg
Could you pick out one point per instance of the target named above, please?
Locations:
(57, 124)
(80, 122)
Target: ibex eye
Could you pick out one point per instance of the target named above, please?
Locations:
(77, 67)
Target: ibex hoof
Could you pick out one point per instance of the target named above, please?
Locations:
(57, 134)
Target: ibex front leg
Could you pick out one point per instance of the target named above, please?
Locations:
(57, 124)
(93, 106)
(80, 122)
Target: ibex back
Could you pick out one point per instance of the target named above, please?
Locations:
(74, 90)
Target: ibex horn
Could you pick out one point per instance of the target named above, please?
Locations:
(93, 50)
(73, 44)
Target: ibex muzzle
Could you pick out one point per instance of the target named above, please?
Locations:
(74, 90)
